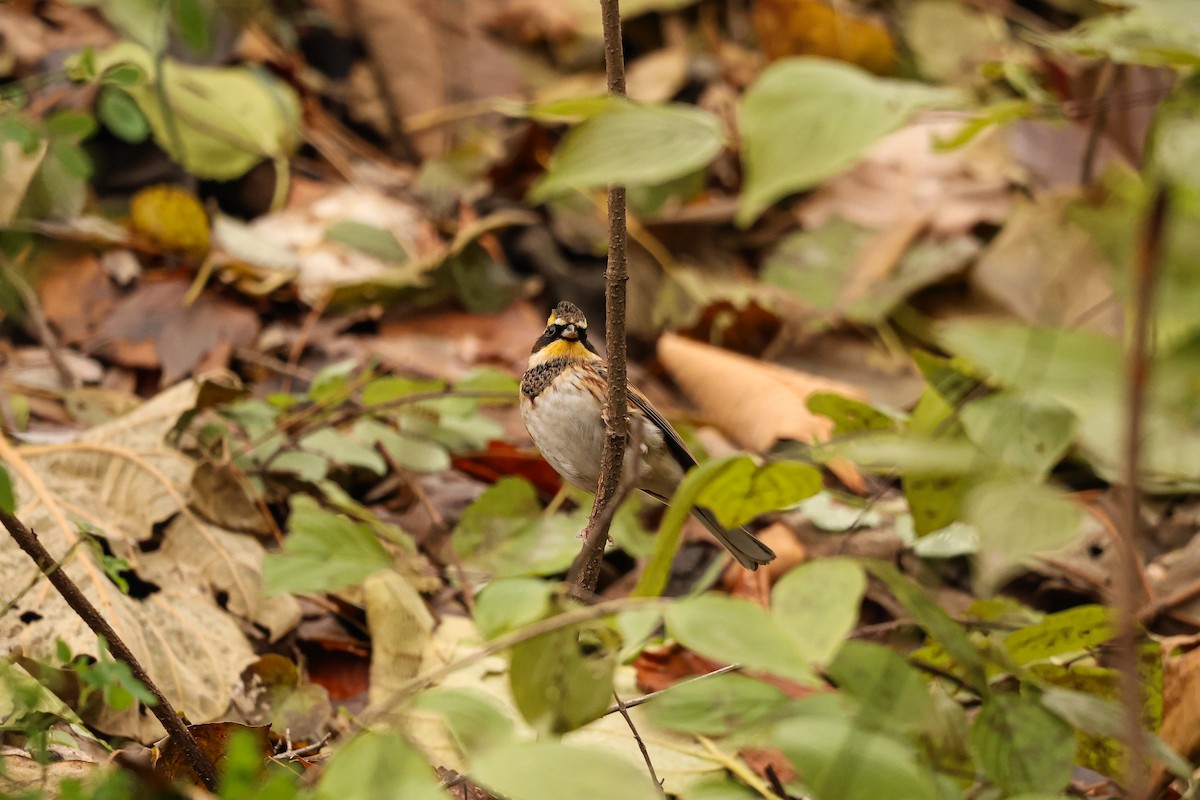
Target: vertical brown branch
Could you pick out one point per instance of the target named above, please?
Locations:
(616, 406)
(1138, 358)
(28, 541)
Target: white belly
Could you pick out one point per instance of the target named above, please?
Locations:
(566, 426)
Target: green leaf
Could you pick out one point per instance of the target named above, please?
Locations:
(488, 379)
(936, 622)
(837, 760)
(737, 631)
(1018, 435)
(717, 705)
(1021, 746)
(191, 19)
(405, 451)
(123, 75)
(369, 239)
(120, 114)
(391, 388)
(1017, 519)
(72, 125)
(220, 121)
(806, 119)
(8, 500)
(1099, 717)
(505, 532)
(344, 450)
(632, 146)
(849, 416)
(1073, 632)
(305, 466)
(891, 691)
(510, 603)
(562, 680)
(378, 766)
(743, 489)
(475, 719)
(322, 552)
(818, 604)
(552, 771)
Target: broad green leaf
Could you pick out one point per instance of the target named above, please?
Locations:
(632, 146)
(510, 603)
(721, 787)
(836, 760)
(72, 125)
(369, 239)
(813, 264)
(1156, 34)
(476, 721)
(505, 532)
(737, 631)
(743, 489)
(487, 379)
(849, 416)
(219, 121)
(717, 705)
(330, 384)
(936, 622)
(120, 114)
(806, 119)
(736, 489)
(404, 451)
(378, 766)
(935, 497)
(8, 501)
(1067, 633)
(885, 452)
(1021, 746)
(391, 388)
(817, 603)
(1103, 718)
(564, 679)
(1017, 519)
(344, 450)
(322, 552)
(891, 691)
(1018, 435)
(550, 770)
(305, 466)
(191, 20)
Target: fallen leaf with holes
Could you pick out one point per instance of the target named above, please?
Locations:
(122, 482)
(754, 403)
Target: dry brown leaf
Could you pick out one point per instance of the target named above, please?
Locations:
(154, 327)
(214, 739)
(123, 480)
(820, 28)
(754, 403)
(401, 629)
(23, 774)
(1181, 710)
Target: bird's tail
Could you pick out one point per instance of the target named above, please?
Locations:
(749, 552)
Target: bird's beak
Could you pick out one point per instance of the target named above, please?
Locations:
(569, 332)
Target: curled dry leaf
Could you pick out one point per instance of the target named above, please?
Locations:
(752, 402)
(122, 481)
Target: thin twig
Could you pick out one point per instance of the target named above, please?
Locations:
(28, 541)
(291, 754)
(637, 701)
(1096, 130)
(41, 327)
(1138, 359)
(603, 522)
(637, 737)
(616, 406)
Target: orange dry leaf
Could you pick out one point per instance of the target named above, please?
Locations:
(1181, 711)
(823, 28)
(754, 403)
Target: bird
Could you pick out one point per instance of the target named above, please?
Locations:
(562, 397)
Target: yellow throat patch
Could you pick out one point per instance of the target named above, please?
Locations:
(561, 348)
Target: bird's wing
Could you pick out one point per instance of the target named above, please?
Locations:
(670, 436)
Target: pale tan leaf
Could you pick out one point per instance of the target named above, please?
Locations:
(753, 403)
(124, 480)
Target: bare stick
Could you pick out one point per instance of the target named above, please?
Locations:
(637, 701)
(637, 737)
(28, 541)
(587, 558)
(1137, 374)
(616, 406)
